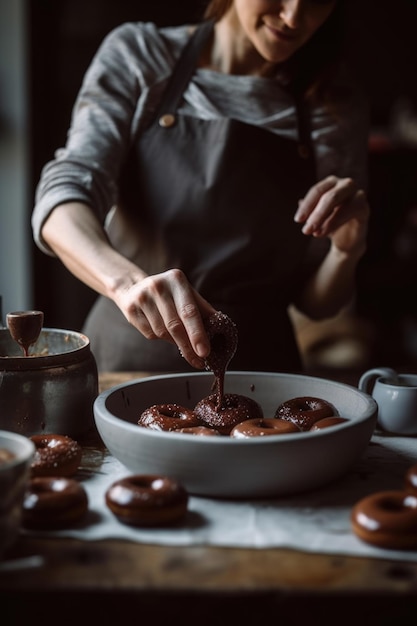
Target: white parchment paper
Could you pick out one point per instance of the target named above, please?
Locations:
(316, 521)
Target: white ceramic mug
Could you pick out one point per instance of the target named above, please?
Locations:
(396, 396)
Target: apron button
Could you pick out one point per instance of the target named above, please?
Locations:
(303, 151)
(167, 120)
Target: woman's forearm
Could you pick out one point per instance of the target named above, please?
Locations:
(78, 239)
(331, 287)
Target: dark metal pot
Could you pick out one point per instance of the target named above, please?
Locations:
(53, 389)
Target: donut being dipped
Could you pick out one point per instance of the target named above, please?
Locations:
(223, 336)
(147, 500)
(387, 519)
(168, 417)
(52, 503)
(55, 455)
(305, 411)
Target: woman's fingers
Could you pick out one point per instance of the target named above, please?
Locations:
(337, 209)
(168, 308)
(322, 202)
(355, 207)
(314, 194)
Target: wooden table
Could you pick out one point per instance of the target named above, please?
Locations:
(199, 585)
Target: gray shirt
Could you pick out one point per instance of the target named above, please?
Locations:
(120, 91)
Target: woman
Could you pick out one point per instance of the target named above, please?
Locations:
(212, 167)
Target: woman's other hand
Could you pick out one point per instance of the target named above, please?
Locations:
(337, 209)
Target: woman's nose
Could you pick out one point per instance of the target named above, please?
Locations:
(290, 12)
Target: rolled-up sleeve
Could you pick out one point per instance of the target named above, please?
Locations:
(87, 169)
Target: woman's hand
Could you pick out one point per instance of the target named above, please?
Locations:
(337, 209)
(165, 306)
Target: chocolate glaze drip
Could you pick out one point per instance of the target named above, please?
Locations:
(223, 336)
(219, 410)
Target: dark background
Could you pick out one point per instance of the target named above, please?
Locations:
(63, 36)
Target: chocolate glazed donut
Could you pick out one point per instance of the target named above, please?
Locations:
(232, 410)
(55, 455)
(147, 500)
(263, 427)
(168, 417)
(387, 519)
(199, 431)
(305, 411)
(53, 503)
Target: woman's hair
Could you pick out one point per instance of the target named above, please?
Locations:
(310, 69)
(217, 8)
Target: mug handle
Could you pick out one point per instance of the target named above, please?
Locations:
(366, 378)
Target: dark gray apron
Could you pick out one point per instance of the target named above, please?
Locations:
(216, 199)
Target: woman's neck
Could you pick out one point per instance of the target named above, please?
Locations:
(229, 51)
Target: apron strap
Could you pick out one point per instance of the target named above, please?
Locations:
(183, 71)
(305, 143)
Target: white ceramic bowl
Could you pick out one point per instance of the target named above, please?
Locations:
(237, 468)
(14, 476)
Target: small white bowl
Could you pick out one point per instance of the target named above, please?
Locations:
(236, 468)
(14, 477)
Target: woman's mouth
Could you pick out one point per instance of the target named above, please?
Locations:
(281, 34)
